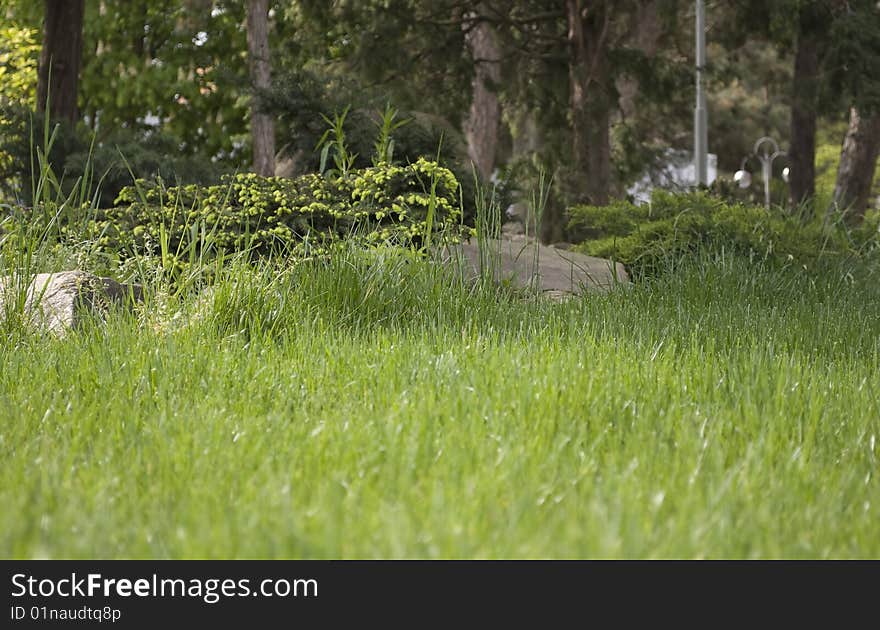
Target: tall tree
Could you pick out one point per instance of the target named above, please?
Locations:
(262, 123)
(812, 22)
(590, 100)
(60, 58)
(647, 31)
(858, 159)
(854, 67)
(484, 116)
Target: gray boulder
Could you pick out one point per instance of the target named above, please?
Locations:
(553, 271)
(58, 302)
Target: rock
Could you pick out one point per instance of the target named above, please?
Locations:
(527, 264)
(513, 228)
(58, 302)
(517, 212)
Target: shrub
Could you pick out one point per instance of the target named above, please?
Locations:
(262, 216)
(645, 238)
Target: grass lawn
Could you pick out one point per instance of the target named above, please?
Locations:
(376, 408)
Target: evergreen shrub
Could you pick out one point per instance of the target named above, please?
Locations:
(261, 216)
(646, 238)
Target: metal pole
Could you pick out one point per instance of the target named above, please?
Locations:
(766, 166)
(701, 118)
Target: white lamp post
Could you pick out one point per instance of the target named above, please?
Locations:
(766, 150)
(701, 118)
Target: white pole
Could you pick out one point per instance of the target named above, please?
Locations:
(701, 118)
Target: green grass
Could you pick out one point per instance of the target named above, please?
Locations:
(376, 407)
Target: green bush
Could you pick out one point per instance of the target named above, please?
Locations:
(261, 216)
(647, 238)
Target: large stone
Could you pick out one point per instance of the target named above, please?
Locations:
(523, 263)
(59, 302)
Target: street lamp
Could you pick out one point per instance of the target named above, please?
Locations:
(701, 124)
(766, 150)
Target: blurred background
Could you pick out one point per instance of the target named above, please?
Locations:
(599, 94)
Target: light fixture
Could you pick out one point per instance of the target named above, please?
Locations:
(766, 150)
(743, 178)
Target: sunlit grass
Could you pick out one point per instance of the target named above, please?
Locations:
(374, 406)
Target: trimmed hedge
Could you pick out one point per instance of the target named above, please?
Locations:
(646, 238)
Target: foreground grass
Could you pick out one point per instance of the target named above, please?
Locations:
(376, 409)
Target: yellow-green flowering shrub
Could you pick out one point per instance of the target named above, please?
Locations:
(304, 216)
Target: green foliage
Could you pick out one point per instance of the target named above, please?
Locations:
(383, 148)
(750, 89)
(13, 144)
(648, 238)
(19, 52)
(182, 62)
(246, 213)
(25, 140)
(334, 139)
(297, 99)
(853, 61)
(77, 152)
(300, 100)
(410, 47)
(144, 155)
(827, 161)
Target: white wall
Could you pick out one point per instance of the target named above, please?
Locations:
(676, 174)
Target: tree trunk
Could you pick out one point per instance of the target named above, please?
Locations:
(484, 117)
(262, 124)
(60, 59)
(805, 96)
(858, 160)
(647, 32)
(589, 100)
